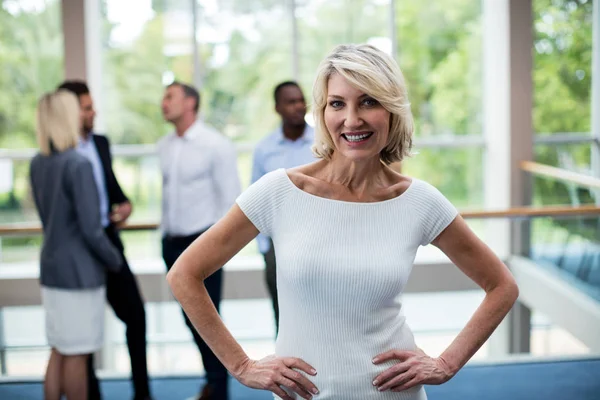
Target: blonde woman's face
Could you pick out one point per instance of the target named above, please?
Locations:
(358, 124)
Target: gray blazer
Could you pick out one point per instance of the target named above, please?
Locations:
(76, 252)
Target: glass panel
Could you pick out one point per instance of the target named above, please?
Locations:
(440, 53)
(568, 246)
(145, 46)
(435, 318)
(562, 66)
(575, 157)
(32, 61)
(27, 362)
(457, 173)
(569, 249)
(24, 326)
(323, 24)
(548, 339)
(246, 50)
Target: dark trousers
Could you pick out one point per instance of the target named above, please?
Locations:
(124, 297)
(271, 279)
(216, 373)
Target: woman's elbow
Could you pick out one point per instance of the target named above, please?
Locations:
(173, 282)
(179, 276)
(175, 278)
(511, 291)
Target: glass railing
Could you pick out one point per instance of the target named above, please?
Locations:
(23, 349)
(568, 247)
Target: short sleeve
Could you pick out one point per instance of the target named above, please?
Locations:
(261, 200)
(438, 213)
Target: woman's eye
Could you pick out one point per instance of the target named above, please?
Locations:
(336, 103)
(369, 102)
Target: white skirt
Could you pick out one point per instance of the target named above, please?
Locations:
(74, 319)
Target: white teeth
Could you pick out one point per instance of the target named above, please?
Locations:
(357, 138)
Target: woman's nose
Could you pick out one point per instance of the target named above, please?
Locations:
(353, 119)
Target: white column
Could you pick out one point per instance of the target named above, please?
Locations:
(508, 130)
(198, 79)
(295, 41)
(81, 21)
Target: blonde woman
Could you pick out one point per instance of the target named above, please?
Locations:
(346, 230)
(75, 251)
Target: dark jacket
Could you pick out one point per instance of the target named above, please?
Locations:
(76, 251)
(113, 189)
(115, 194)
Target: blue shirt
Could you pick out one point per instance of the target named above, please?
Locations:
(276, 151)
(87, 148)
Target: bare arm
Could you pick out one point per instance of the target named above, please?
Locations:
(186, 278)
(480, 264)
(202, 258)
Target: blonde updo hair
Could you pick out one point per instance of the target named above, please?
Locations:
(57, 127)
(376, 74)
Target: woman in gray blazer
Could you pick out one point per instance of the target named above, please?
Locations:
(75, 252)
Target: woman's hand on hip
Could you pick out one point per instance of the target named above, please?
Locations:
(413, 368)
(273, 373)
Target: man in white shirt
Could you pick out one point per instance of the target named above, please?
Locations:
(200, 183)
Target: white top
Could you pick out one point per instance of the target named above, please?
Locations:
(341, 267)
(200, 179)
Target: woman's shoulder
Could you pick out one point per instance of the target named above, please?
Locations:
(271, 184)
(427, 198)
(273, 178)
(423, 188)
(69, 158)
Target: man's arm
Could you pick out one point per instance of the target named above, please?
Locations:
(118, 202)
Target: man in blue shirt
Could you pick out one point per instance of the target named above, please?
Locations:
(287, 147)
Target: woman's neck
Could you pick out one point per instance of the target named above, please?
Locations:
(358, 176)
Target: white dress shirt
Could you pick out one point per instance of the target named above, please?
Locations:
(200, 179)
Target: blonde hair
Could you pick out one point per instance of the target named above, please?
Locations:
(57, 122)
(377, 74)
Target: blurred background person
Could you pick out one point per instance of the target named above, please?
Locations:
(287, 147)
(122, 291)
(200, 183)
(75, 253)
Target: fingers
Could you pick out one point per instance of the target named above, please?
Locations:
(390, 373)
(115, 217)
(302, 382)
(288, 383)
(281, 393)
(411, 383)
(300, 364)
(397, 381)
(389, 355)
